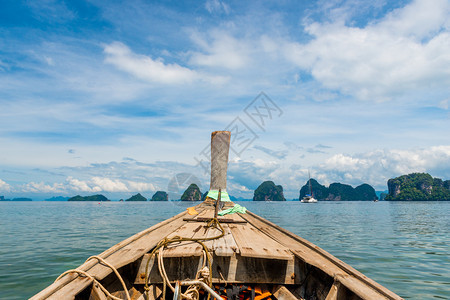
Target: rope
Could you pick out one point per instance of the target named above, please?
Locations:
(158, 250)
(95, 281)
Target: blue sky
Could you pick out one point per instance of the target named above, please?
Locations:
(114, 98)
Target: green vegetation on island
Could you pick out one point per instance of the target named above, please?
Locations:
(411, 187)
(268, 191)
(137, 197)
(339, 192)
(2, 198)
(98, 198)
(22, 199)
(160, 196)
(58, 198)
(418, 187)
(192, 193)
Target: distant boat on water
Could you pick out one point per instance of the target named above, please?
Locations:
(309, 198)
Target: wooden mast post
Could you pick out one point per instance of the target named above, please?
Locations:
(220, 145)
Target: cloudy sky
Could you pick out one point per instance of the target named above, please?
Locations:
(113, 98)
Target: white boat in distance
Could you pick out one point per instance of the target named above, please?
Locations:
(309, 198)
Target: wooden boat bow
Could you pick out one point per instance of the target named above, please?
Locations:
(250, 252)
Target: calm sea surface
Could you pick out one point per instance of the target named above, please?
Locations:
(403, 246)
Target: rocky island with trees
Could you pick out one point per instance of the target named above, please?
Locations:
(2, 198)
(418, 187)
(192, 193)
(137, 197)
(268, 191)
(411, 187)
(98, 198)
(160, 196)
(339, 192)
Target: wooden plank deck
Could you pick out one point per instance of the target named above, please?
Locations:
(244, 245)
(119, 255)
(226, 246)
(253, 243)
(352, 279)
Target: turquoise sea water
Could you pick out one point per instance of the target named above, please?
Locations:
(403, 246)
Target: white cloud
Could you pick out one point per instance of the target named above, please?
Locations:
(419, 19)
(108, 185)
(372, 167)
(245, 174)
(375, 167)
(4, 186)
(236, 187)
(217, 6)
(78, 185)
(145, 67)
(51, 11)
(154, 70)
(140, 186)
(49, 61)
(3, 66)
(40, 187)
(104, 184)
(444, 104)
(224, 51)
(407, 50)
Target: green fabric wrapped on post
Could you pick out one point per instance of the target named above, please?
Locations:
(214, 194)
(235, 209)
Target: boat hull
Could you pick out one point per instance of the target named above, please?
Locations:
(252, 252)
(308, 200)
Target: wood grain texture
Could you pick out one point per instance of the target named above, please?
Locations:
(253, 243)
(355, 281)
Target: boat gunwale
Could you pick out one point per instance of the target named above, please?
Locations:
(361, 278)
(337, 262)
(88, 265)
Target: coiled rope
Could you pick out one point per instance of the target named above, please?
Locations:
(192, 291)
(95, 281)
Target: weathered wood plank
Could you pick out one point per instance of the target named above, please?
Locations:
(220, 219)
(119, 255)
(69, 291)
(235, 269)
(154, 293)
(207, 213)
(220, 145)
(185, 248)
(97, 293)
(226, 246)
(355, 281)
(333, 293)
(282, 293)
(252, 243)
(237, 217)
(208, 232)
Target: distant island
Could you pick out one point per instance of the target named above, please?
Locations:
(2, 198)
(192, 193)
(418, 187)
(137, 197)
(339, 192)
(268, 191)
(58, 198)
(98, 198)
(411, 187)
(160, 196)
(234, 199)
